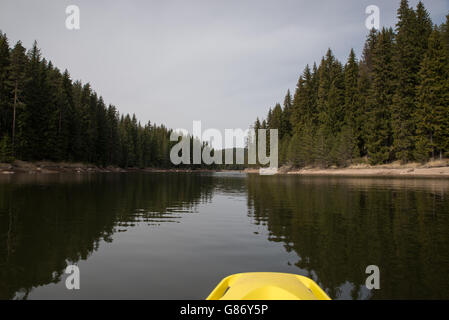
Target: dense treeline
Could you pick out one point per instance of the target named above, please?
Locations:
(44, 115)
(391, 105)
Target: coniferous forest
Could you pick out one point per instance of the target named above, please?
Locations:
(44, 115)
(391, 104)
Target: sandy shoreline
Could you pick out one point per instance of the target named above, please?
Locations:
(362, 172)
(438, 169)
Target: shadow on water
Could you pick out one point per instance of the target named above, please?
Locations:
(335, 227)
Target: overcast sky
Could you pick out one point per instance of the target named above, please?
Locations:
(222, 62)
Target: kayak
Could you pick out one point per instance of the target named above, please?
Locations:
(267, 286)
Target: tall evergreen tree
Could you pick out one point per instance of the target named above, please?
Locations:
(368, 49)
(445, 33)
(4, 88)
(17, 80)
(351, 78)
(413, 29)
(379, 139)
(433, 101)
(364, 83)
(285, 126)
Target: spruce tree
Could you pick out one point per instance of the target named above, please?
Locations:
(433, 101)
(17, 80)
(445, 33)
(413, 29)
(51, 149)
(65, 117)
(368, 49)
(351, 79)
(364, 83)
(4, 88)
(276, 117)
(336, 98)
(298, 108)
(286, 126)
(379, 136)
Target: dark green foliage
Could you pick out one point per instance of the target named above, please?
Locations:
(392, 105)
(412, 31)
(351, 80)
(345, 147)
(15, 83)
(379, 135)
(445, 33)
(301, 148)
(4, 88)
(6, 153)
(432, 114)
(285, 128)
(44, 115)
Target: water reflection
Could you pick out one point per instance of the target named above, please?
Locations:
(50, 220)
(183, 232)
(338, 226)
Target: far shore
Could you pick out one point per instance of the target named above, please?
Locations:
(431, 169)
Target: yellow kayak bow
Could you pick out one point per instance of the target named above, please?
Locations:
(267, 286)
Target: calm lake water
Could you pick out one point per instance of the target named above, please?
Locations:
(175, 236)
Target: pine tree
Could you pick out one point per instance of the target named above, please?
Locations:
(368, 49)
(17, 80)
(4, 88)
(362, 115)
(330, 95)
(257, 126)
(378, 127)
(433, 101)
(286, 126)
(31, 117)
(413, 29)
(351, 73)
(50, 147)
(276, 117)
(330, 106)
(445, 33)
(112, 147)
(102, 134)
(64, 123)
(336, 102)
(325, 81)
